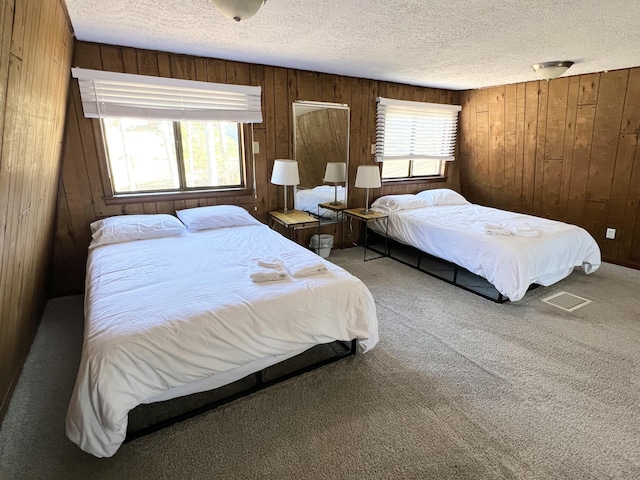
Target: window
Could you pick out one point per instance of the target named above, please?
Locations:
(170, 135)
(147, 155)
(414, 139)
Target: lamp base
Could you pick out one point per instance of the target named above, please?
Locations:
(336, 203)
(366, 211)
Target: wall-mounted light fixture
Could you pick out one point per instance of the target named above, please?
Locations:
(551, 70)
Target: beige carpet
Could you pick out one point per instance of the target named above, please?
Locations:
(458, 387)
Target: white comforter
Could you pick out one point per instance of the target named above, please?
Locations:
(511, 263)
(164, 313)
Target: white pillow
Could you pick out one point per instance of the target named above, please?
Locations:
(125, 228)
(442, 196)
(217, 216)
(395, 203)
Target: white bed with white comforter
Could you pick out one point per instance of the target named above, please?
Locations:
(510, 250)
(165, 317)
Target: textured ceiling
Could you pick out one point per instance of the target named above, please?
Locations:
(455, 44)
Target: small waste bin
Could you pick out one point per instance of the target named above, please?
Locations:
(322, 244)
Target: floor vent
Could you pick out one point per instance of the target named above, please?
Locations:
(566, 301)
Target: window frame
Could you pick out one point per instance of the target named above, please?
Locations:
(112, 198)
(442, 175)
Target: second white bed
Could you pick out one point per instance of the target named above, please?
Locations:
(511, 263)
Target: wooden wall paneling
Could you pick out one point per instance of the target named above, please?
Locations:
(130, 60)
(291, 97)
(328, 88)
(518, 169)
(510, 118)
(35, 49)
(589, 85)
(595, 218)
(268, 115)
(631, 114)
(304, 86)
(606, 131)
(556, 118)
(620, 187)
(538, 179)
(482, 100)
(112, 58)
(630, 227)
(216, 70)
(496, 108)
(585, 116)
(530, 146)
(148, 63)
(465, 146)
(552, 177)
(567, 152)
(468, 130)
(481, 164)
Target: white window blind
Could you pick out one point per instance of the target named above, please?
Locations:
(415, 130)
(111, 94)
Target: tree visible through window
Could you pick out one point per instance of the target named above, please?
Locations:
(147, 155)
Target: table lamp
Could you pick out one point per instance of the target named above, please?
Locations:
(367, 176)
(285, 172)
(335, 173)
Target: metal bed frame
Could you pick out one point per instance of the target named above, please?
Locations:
(439, 268)
(261, 380)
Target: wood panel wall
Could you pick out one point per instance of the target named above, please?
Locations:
(35, 56)
(81, 194)
(565, 149)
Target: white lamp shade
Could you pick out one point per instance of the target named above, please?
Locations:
(368, 176)
(238, 9)
(336, 172)
(285, 172)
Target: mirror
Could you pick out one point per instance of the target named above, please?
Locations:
(321, 136)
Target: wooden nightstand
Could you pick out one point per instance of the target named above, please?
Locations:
(358, 214)
(292, 220)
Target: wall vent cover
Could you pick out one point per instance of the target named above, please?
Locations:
(566, 301)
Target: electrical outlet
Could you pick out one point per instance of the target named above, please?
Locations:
(611, 233)
(373, 148)
(256, 147)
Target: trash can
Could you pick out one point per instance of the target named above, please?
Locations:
(322, 244)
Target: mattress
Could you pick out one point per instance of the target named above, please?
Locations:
(175, 315)
(510, 262)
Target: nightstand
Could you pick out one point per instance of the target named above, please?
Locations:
(292, 220)
(358, 214)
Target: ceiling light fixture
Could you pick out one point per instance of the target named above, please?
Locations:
(551, 70)
(238, 9)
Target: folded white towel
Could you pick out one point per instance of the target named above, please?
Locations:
(492, 228)
(300, 264)
(261, 274)
(268, 262)
(523, 229)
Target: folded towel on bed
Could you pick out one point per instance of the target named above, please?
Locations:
(303, 264)
(522, 229)
(268, 262)
(492, 228)
(260, 274)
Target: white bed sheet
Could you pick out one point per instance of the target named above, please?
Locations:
(165, 316)
(308, 200)
(510, 263)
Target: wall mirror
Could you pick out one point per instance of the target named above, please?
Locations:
(321, 136)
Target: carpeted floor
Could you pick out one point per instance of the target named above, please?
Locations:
(458, 387)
